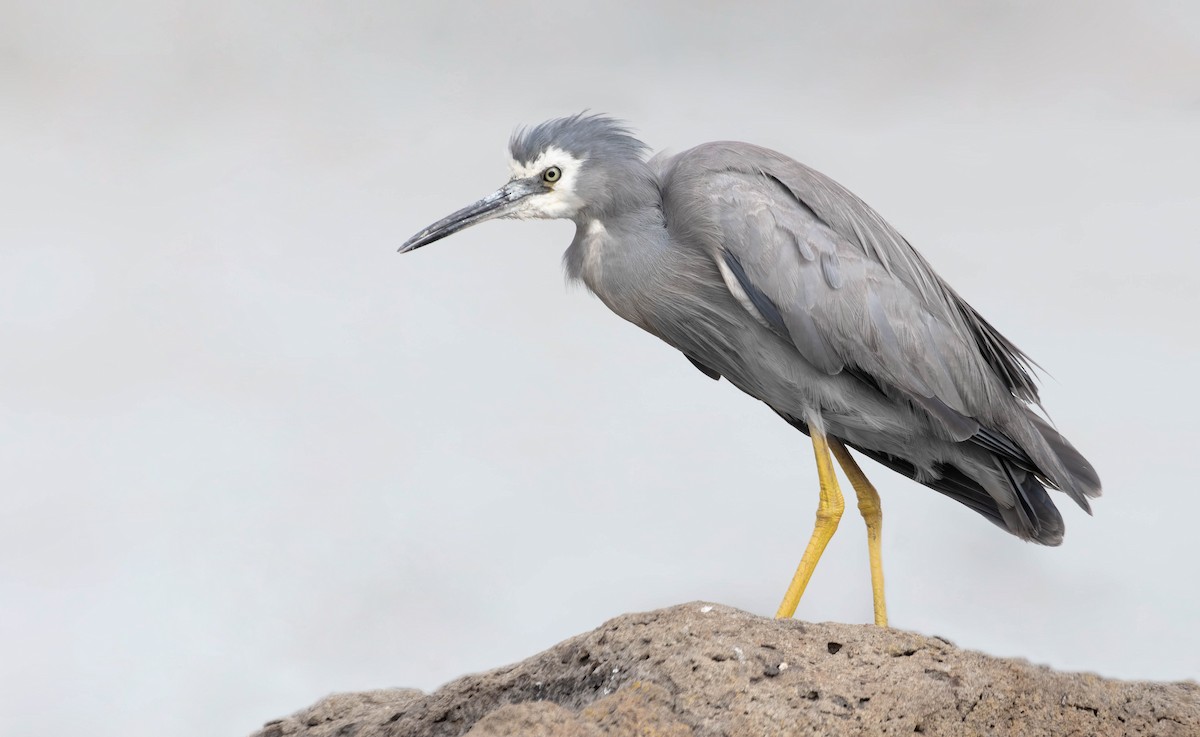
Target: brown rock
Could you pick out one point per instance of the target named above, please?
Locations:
(707, 670)
(533, 719)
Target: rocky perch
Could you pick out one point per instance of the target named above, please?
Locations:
(703, 669)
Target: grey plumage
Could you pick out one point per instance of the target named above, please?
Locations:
(770, 274)
(595, 137)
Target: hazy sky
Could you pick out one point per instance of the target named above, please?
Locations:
(250, 456)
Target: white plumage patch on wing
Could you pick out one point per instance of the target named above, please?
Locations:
(735, 288)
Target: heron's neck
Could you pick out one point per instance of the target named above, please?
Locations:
(618, 254)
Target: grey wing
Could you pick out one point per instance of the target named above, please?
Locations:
(859, 225)
(824, 271)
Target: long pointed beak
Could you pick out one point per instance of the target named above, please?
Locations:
(498, 204)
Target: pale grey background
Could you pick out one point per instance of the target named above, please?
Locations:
(251, 456)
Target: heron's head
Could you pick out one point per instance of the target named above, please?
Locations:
(560, 169)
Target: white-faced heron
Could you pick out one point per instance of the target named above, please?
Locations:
(764, 271)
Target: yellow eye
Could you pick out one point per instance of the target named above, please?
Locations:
(552, 175)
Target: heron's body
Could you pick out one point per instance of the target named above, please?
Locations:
(769, 274)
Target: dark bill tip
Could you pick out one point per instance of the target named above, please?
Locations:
(494, 205)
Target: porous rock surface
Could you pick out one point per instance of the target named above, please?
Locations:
(700, 670)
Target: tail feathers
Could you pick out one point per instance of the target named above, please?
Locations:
(1033, 517)
(1014, 498)
(1034, 448)
(1029, 444)
(1083, 481)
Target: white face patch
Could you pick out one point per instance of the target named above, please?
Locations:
(561, 201)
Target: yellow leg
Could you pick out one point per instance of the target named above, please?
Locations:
(872, 512)
(829, 511)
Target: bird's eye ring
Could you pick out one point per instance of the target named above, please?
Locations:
(552, 175)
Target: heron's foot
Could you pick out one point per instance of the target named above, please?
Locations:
(829, 512)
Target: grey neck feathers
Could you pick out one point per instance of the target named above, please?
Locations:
(620, 188)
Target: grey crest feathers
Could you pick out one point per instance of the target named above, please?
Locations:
(584, 136)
